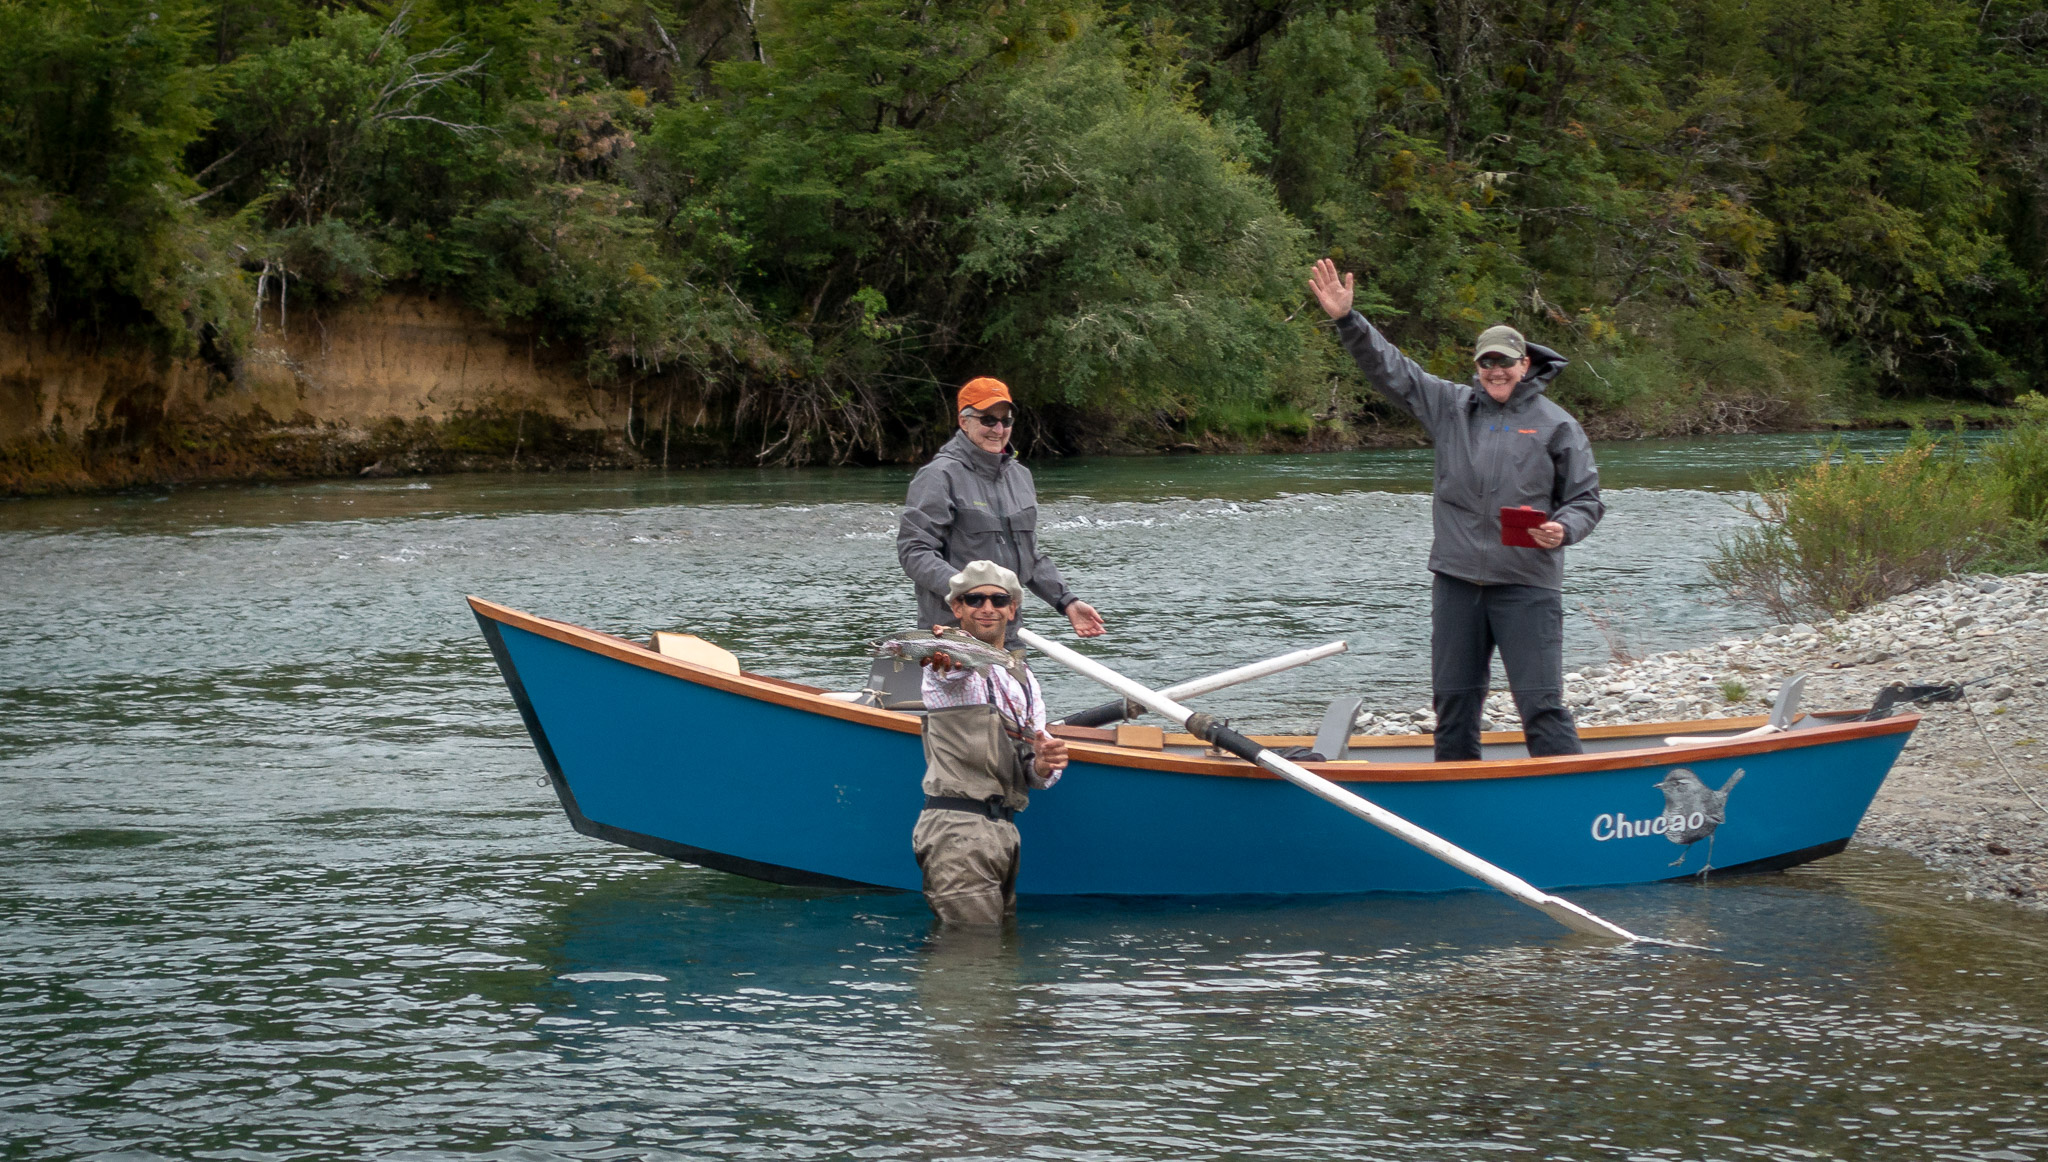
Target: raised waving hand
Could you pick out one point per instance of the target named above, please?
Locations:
(1332, 292)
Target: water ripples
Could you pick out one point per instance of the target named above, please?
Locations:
(278, 877)
(371, 983)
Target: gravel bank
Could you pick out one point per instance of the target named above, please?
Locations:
(1966, 796)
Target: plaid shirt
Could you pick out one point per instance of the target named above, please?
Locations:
(1022, 703)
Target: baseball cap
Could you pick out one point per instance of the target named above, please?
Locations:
(983, 392)
(1502, 340)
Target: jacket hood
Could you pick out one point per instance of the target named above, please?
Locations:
(978, 460)
(1544, 364)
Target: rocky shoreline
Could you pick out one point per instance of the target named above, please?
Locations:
(1968, 794)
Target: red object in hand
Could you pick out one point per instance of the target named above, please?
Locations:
(1515, 524)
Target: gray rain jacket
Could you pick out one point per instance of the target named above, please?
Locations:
(1490, 456)
(970, 505)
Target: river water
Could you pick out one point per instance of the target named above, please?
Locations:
(278, 877)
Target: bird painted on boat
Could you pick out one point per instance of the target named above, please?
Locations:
(1692, 810)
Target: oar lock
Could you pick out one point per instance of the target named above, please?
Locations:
(1221, 739)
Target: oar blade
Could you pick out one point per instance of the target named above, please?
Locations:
(1579, 920)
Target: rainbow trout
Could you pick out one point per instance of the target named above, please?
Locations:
(962, 647)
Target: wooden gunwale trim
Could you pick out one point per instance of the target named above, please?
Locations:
(747, 685)
(1370, 772)
(781, 694)
(1495, 737)
(786, 684)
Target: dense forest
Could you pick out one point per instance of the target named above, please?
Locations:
(813, 217)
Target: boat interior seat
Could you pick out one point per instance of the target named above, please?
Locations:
(1333, 738)
(1787, 703)
(893, 685)
(1784, 712)
(688, 647)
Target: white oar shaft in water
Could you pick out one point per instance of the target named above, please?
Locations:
(1563, 911)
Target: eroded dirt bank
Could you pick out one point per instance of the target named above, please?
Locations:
(403, 384)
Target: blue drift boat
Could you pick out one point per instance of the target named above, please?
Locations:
(793, 784)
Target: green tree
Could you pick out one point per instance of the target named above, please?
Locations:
(1887, 216)
(1130, 257)
(98, 104)
(816, 215)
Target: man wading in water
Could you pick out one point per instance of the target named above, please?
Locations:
(985, 750)
(1499, 445)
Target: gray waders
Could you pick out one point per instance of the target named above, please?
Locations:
(964, 840)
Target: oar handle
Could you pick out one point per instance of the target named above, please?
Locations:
(1115, 710)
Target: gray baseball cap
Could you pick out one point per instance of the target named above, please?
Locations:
(980, 573)
(1501, 340)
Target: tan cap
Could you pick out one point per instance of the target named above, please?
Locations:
(1502, 340)
(983, 393)
(980, 573)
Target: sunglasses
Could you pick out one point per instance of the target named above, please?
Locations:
(997, 421)
(976, 600)
(1494, 361)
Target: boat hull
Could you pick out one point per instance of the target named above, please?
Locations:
(776, 782)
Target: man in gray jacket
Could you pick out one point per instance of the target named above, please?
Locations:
(974, 502)
(1499, 444)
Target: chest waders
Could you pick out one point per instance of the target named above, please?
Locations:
(970, 753)
(964, 841)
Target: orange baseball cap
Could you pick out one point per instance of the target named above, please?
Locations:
(984, 391)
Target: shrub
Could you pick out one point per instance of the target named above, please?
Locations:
(1849, 531)
(1248, 421)
(2020, 458)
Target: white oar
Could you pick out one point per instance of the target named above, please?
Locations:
(1209, 730)
(1112, 711)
